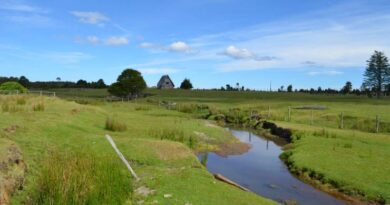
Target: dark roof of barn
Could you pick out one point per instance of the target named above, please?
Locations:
(159, 84)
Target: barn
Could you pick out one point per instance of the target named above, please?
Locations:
(165, 83)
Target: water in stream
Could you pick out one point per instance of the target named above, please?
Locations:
(261, 171)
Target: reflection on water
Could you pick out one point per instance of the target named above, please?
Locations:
(261, 171)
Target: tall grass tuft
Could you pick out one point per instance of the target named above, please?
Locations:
(175, 135)
(81, 178)
(21, 101)
(39, 107)
(114, 125)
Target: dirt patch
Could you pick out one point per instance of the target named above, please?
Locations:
(210, 124)
(233, 148)
(11, 129)
(144, 191)
(12, 170)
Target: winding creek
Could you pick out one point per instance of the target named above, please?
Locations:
(261, 171)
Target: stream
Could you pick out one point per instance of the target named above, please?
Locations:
(261, 171)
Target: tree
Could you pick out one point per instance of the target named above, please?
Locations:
(377, 73)
(347, 88)
(82, 83)
(24, 81)
(58, 79)
(186, 84)
(130, 83)
(289, 88)
(100, 84)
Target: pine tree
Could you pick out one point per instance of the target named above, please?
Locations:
(377, 73)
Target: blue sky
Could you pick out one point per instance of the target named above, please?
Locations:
(305, 43)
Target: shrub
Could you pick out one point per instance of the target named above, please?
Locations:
(81, 178)
(114, 125)
(12, 86)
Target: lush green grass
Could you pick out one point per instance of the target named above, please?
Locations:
(76, 134)
(157, 140)
(352, 161)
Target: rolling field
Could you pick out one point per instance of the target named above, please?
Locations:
(70, 162)
(160, 142)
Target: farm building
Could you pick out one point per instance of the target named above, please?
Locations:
(165, 83)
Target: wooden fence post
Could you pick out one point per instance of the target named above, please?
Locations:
(377, 124)
(342, 121)
(289, 113)
(111, 141)
(269, 111)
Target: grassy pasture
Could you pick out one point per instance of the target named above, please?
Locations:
(66, 139)
(353, 159)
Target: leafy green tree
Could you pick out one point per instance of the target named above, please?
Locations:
(130, 83)
(289, 88)
(82, 83)
(377, 73)
(186, 84)
(101, 84)
(347, 88)
(13, 86)
(24, 81)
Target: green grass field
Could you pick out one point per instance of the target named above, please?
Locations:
(160, 143)
(70, 162)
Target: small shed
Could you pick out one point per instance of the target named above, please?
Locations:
(165, 83)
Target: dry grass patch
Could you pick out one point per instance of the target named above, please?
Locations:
(166, 150)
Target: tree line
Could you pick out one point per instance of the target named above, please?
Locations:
(54, 84)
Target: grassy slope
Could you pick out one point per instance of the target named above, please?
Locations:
(165, 166)
(356, 160)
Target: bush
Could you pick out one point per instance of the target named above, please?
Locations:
(81, 178)
(12, 87)
(114, 125)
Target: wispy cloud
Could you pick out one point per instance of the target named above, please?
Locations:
(176, 47)
(28, 15)
(158, 71)
(65, 57)
(90, 17)
(117, 41)
(243, 53)
(343, 36)
(327, 73)
(93, 40)
(20, 7)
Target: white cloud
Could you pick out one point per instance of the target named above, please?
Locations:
(117, 41)
(179, 46)
(30, 19)
(66, 57)
(243, 53)
(19, 7)
(238, 53)
(148, 45)
(93, 39)
(155, 71)
(327, 72)
(95, 18)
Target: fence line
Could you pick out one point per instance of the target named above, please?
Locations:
(374, 124)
